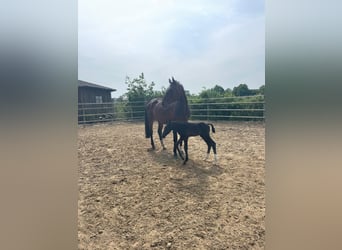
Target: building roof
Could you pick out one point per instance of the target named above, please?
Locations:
(92, 85)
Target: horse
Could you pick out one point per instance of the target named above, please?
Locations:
(187, 129)
(173, 106)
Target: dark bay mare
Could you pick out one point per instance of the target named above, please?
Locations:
(172, 107)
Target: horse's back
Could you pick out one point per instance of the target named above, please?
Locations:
(151, 103)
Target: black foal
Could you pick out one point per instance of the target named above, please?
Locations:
(187, 129)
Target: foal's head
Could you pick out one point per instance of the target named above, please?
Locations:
(167, 129)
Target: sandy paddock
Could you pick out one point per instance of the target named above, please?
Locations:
(132, 198)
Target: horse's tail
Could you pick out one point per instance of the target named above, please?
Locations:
(147, 125)
(212, 127)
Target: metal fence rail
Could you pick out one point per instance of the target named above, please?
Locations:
(211, 109)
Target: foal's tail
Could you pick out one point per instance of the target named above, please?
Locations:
(147, 125)
(212, 127)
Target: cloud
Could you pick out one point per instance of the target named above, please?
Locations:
(198, 42)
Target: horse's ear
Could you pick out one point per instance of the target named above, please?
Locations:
(173, 79)
(170, 81)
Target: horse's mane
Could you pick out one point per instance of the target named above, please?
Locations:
(183, 106)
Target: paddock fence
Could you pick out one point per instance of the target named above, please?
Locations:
(248, 108)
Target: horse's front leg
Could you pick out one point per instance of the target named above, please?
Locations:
(160, 132)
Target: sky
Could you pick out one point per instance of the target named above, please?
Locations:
(201, 43)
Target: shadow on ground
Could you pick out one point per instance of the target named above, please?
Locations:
(193, 177)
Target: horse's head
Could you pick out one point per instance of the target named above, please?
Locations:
(174, 92)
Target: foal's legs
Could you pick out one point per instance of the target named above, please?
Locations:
(177, 148)
(175, 145)
(211, 143)
(160, 130)
(185, 149)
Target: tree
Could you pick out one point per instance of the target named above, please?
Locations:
(159, 93)
(228, 92)
(138, 89)
(216, 91)
(262, 90)
(241, 90)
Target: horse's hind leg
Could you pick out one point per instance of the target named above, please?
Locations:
(152, 142)
(160, 130)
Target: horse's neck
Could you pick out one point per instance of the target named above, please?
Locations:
(178, 99)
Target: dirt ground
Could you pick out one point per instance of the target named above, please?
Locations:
(132, 198)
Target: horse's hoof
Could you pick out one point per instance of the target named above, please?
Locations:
(175, 156)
